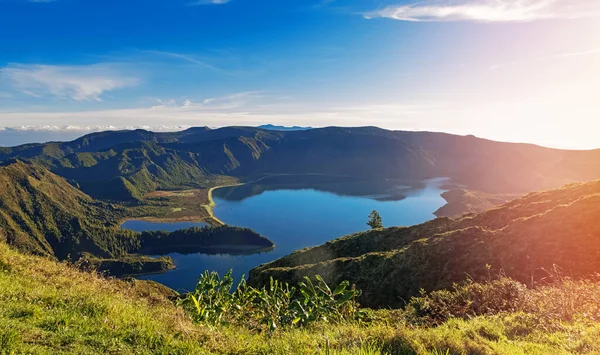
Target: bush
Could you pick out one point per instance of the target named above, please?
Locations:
(562, 300)
(467, 300)
(565, 300)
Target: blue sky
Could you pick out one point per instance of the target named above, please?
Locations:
(514, 70)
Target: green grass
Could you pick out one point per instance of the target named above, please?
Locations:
(50, 308)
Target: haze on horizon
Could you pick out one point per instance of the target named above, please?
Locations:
(508, 70)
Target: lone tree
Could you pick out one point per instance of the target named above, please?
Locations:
(375, 220)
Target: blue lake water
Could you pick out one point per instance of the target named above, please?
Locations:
(298, 218)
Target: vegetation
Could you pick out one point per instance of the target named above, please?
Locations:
(225, 238)
(375, 221)
(126, 266)
(215, 302)
(41, 213)
(523, 239)
(51, 308)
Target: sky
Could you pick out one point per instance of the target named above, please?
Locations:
(509, 70)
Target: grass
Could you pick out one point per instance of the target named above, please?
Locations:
(50, 308)
(181, 205)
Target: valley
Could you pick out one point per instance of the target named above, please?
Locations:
(316, 177)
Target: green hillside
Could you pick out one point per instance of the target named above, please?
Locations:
(523, 239)
(41, 213)
(50, 308)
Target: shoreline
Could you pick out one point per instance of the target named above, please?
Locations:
(211, 203)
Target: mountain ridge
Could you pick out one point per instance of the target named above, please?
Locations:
(138, 162)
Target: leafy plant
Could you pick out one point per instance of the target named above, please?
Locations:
(317, 302)
(212, 297)
(276, 305)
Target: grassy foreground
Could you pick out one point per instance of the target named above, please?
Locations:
(51, 308)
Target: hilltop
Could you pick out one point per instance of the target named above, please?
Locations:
(524, 239)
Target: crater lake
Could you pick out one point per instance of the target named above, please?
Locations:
(296, 212)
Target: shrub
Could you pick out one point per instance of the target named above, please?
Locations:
(273, 306)
(565, 300)
(467, 300)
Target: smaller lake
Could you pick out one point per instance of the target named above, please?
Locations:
(296, 214)
(145, 226)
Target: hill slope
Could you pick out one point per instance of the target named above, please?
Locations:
(42, 213)
(50, 308)
(126, 164)
(521, 239)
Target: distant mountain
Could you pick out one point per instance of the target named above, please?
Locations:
(523, 239)
(283, 128)
(124, 165)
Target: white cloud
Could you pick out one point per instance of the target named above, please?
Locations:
(490, 11)
(183, 57)
(245, 108)
(79, 83)
(578, 54)
(208, 2)
(501, 117)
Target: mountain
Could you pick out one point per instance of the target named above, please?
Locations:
(124, 165)
(524, 239)
(42, 213)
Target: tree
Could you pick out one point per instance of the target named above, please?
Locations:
(375, 220)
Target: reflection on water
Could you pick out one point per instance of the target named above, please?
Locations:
(295, 215)
(377, 189)
(143, 226)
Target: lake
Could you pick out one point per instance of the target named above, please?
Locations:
(295, 217)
